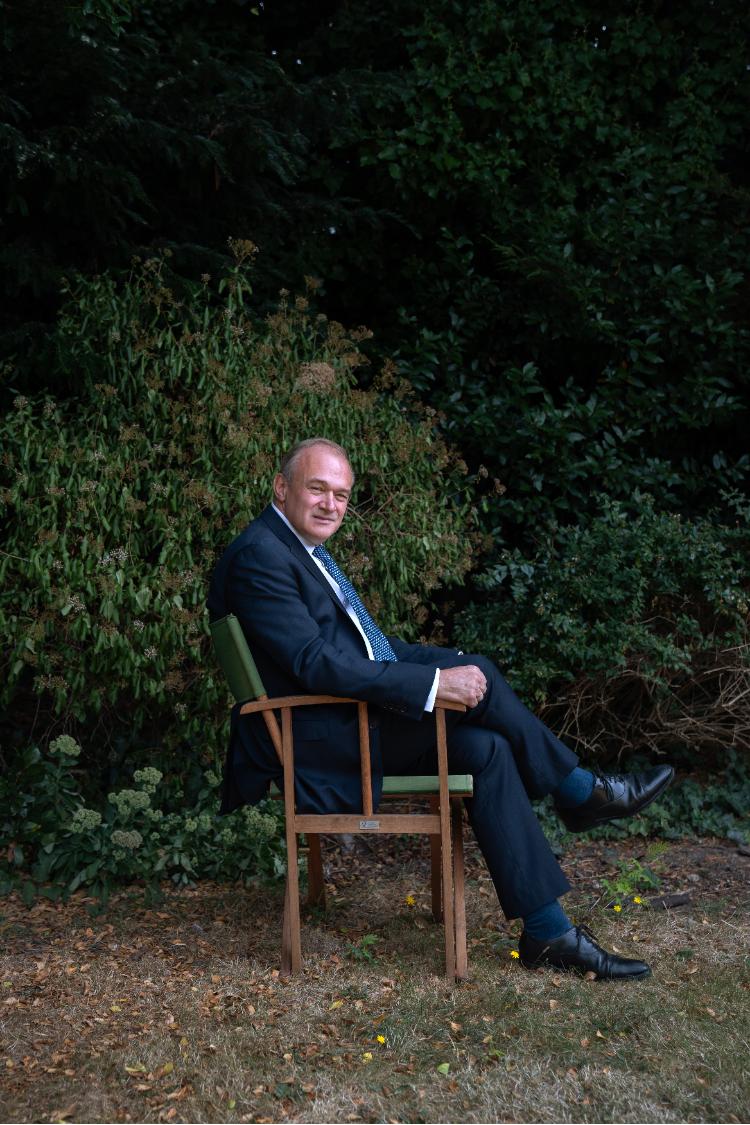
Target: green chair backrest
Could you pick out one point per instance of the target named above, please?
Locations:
(236, 659)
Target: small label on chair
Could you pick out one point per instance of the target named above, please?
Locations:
(365, 824)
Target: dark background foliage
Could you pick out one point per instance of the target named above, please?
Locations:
(540, 208)
(543, 206)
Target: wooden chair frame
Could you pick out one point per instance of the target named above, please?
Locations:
(443, 824)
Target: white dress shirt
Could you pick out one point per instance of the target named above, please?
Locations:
(310, 547)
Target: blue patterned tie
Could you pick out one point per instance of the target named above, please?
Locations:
(381, 646)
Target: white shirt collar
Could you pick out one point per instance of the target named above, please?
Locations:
(309, 547)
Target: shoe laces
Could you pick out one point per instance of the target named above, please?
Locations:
(584, 929)
(608, 781)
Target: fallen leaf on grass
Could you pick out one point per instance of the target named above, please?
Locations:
(443, 1068)
(63, 1114)
(180, 1093)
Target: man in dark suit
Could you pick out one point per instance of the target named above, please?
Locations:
(309, 632)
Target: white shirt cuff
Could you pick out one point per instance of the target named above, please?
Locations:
(430, 704)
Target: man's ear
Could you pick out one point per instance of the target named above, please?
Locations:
(279, 489)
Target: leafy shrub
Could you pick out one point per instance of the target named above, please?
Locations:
(117, 502)
(151, 832)
(630, 631)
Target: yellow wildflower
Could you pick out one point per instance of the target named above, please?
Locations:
(617, 908)
(637, 899)
(515, 954)
(381, 1038)
(410, 900)
(367, 1056)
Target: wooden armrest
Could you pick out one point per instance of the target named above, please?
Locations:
(285, 704)
(280, 701)
(311, 700)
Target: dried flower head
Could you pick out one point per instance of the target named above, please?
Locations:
(316, 377)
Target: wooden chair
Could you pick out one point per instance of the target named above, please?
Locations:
(442, 822)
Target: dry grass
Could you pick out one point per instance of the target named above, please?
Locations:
(704, 711)
(179, 1014)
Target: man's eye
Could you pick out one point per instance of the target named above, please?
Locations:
(342, 496)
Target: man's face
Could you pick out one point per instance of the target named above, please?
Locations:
(316, 498)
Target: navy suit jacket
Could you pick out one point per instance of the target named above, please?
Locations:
(303, 641)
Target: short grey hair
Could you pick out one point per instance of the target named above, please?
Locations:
(290, 459)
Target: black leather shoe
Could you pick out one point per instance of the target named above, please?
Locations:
(616, 795)
(577, 950)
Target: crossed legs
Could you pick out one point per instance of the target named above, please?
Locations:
(512, 758)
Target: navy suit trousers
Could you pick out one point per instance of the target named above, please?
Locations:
(513, 759)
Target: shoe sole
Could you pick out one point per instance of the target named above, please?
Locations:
(633, 812)
(533, 966)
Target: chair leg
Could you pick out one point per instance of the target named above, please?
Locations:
(448, 896)
(286, 936)
(435, 864)
(459, 894)
(316, 890)
(291, 949)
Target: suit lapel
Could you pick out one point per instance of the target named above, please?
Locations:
(290, 540)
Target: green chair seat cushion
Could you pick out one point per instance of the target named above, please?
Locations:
(414, 785)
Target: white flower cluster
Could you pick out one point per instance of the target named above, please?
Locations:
(148, 778)
(129, 840)
(128, 801)
(117, 555)
(64, 744)
(76, 604)
(85, 820)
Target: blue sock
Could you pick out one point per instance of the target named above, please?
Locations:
(575, 789)
(547, 922)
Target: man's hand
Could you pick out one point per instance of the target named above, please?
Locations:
(466, 684)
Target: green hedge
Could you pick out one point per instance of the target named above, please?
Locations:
(629, 631)
(118, 501)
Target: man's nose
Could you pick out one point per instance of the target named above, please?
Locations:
(328, 500)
